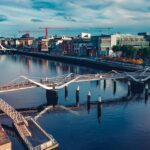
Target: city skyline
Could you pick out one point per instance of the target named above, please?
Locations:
(124, 16)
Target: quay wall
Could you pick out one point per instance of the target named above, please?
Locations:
(82, 61)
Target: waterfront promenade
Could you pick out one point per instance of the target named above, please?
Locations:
(88, 62)
(83, 61)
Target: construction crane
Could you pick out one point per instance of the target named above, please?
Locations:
(105, 28)
(27, 34)
(50, 28)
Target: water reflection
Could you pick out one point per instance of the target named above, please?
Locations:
(118, 117)
(99, 111)
(56, 67)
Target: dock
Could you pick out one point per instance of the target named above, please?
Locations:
(30, 132)
(38, 139)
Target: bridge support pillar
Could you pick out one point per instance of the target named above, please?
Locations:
(77, 96)
(97, 83)
(146, 92)
(137, 87)
(129, 88)
(52, 97)
(66, 92)
(88, 101)
(104, 84)
(99, 105)
(115, 87)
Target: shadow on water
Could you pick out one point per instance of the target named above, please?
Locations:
(52, 97)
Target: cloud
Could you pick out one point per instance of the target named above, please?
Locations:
(68, 18)
(121, 14)
(38, 4)
(3, 18)
(36, 20)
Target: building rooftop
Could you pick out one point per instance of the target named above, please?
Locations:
(4, 139)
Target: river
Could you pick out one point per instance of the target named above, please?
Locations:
(119, 126)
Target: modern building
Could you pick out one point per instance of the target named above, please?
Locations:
(146, 36)
(129, 39)
(104, 45)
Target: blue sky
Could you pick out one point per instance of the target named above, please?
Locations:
(123, 15)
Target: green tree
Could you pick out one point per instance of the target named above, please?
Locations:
(129, 51)
(116, 48)
(145, 52)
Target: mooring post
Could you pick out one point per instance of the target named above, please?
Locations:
(146, 92)
(77, 96)
(129, 88)
(115, 87)
(88, 101)
(148, 85)
(53, 86)
(97, 82)
(66, 92)
(99, 103)
(104, 84)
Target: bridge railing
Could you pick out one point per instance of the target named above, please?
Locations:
(12, 113)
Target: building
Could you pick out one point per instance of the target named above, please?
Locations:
(43, 45)
(67, 47)
(82, 47)
(146, 36)
(95, 42)
(104, 44)
(23, 41)
(5, 143)
(60, 45)
(85, 36)
(137, 41)
(7, 42)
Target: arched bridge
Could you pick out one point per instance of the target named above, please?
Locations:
(12, 113)
(17, 118)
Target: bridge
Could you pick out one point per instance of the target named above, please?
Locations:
(4, 49)
(56, 83)
(31, 133)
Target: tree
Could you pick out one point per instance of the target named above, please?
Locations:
(145, 52)
(116, 48)
(127, 50)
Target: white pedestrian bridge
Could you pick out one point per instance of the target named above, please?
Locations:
(56, 83)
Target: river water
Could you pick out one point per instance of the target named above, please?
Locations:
(118, 126)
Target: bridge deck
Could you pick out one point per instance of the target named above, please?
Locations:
(39, 139)
(60, 82)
